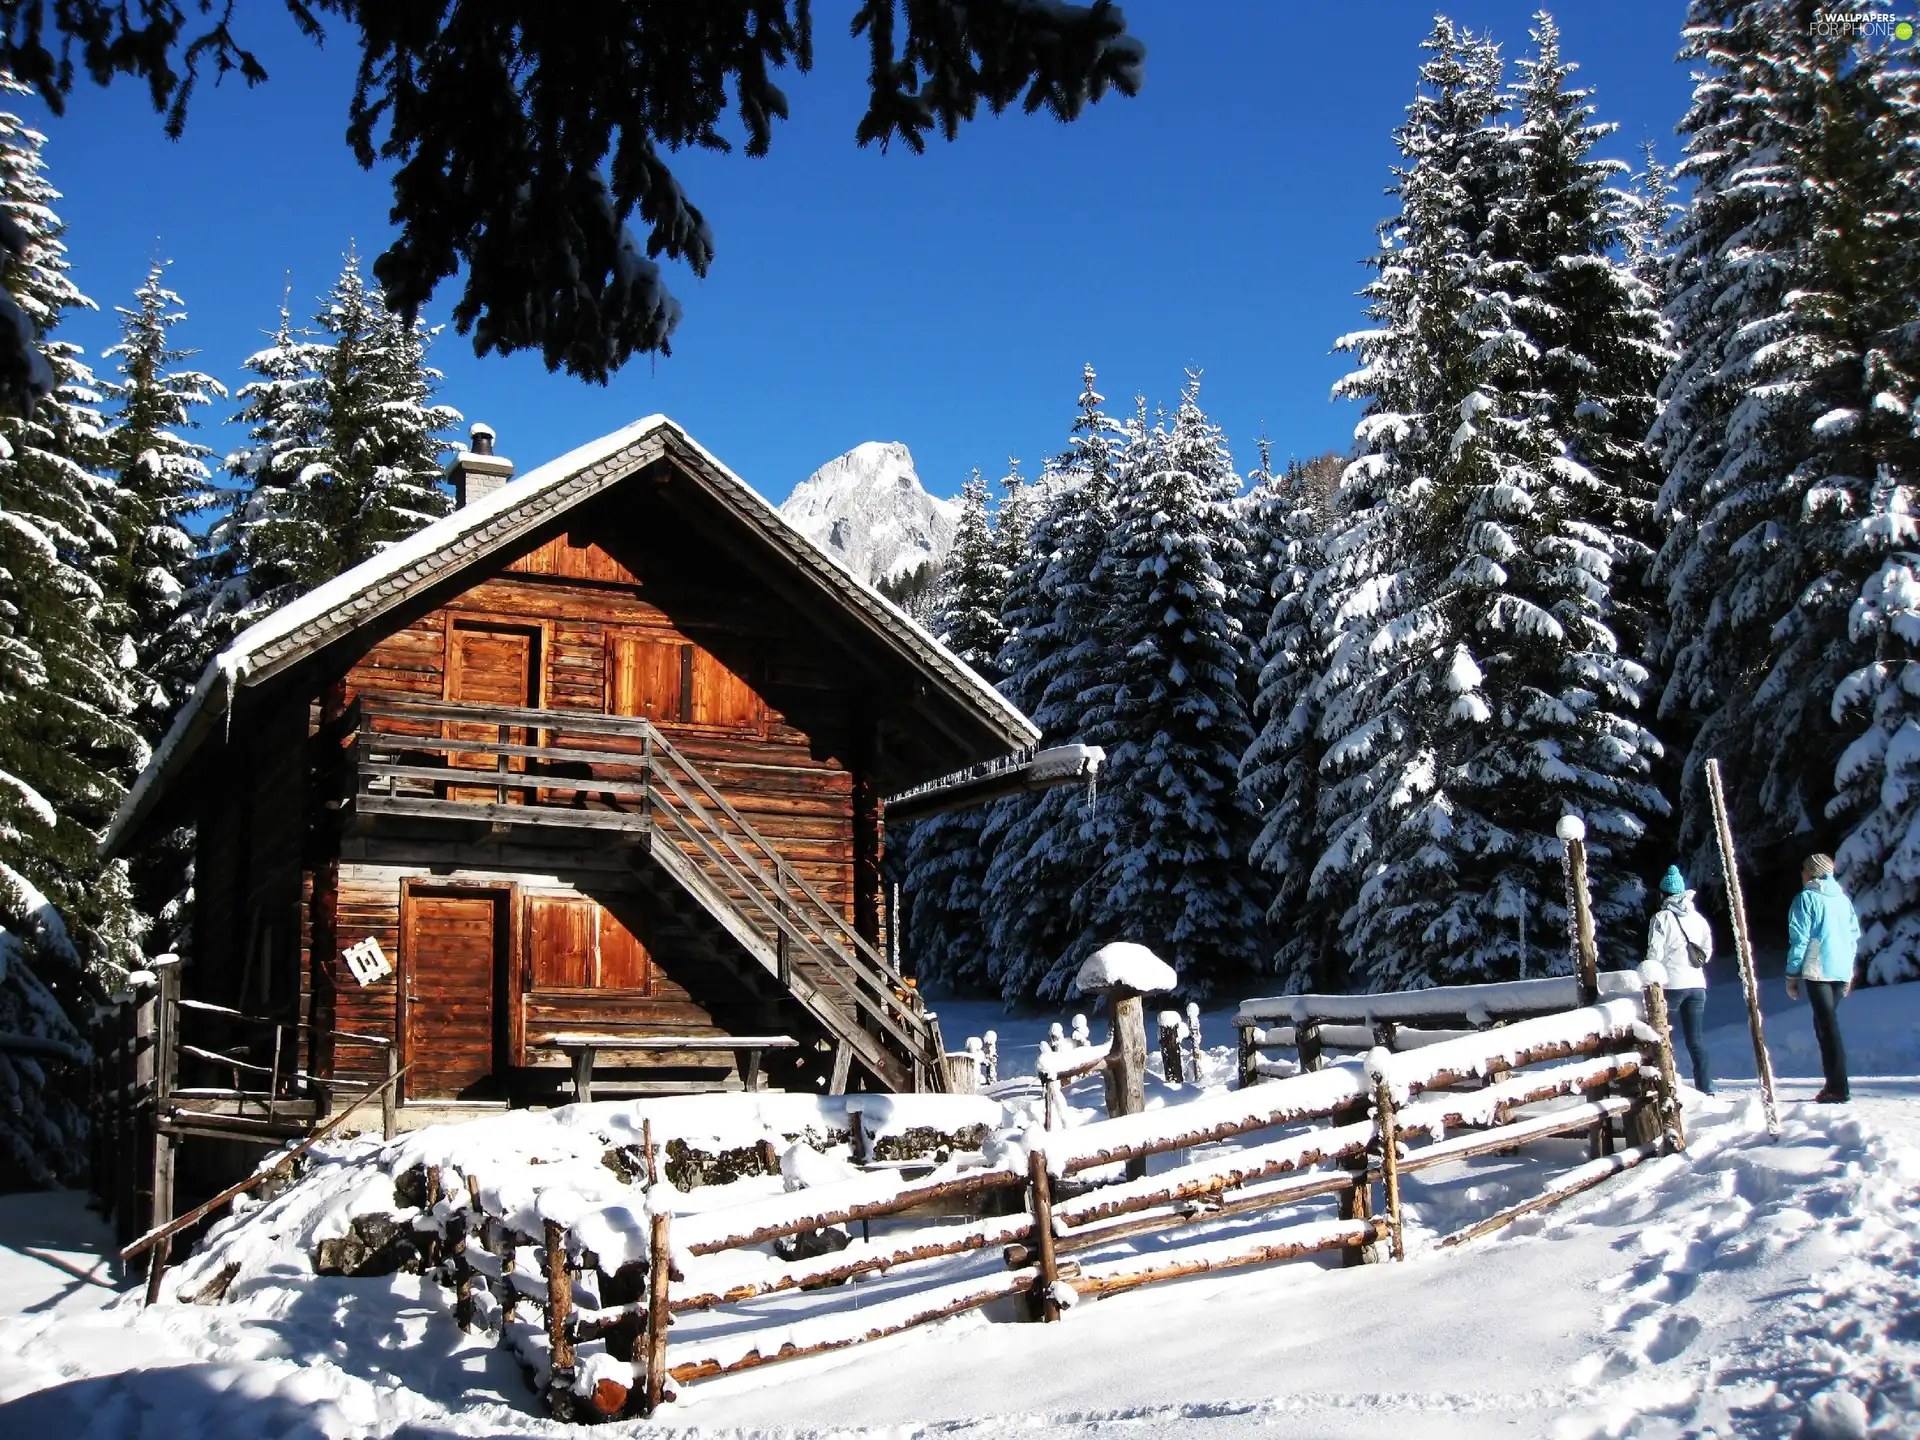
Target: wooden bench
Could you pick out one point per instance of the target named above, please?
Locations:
(582, 1048)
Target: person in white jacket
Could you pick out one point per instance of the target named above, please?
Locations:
(1682, 941)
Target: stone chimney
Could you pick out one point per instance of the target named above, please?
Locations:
(477, 472)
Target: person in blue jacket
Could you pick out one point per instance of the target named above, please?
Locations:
(1823, 935)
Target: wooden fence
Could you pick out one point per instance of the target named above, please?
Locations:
(597, 1336)
(1311, 1026)
(166, 1069)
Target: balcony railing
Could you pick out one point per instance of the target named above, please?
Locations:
(511, 766)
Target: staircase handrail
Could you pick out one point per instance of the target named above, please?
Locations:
(835, 945)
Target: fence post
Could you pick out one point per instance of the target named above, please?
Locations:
(1170, 1059)
(1045, 1306)
(1572, 831)
(1357, 1202)
(1386, 1127)
(389, 1098)
(1249, 1055)
(1653, 976)
(559, 1311)
(659, 1272)
(1306, 1044)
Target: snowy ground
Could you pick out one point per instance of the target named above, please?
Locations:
(1745, 1288)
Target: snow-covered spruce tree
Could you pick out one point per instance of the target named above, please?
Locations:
(1280, 772)
(43, 1124)
(1173, 827)
(1012, 529)
(1040, 847)
(1572, 351)
(1793, 302)
(1474, 691)
(944, 865)
(65, 737)
(163, 480)
(263, 550)
(1381, 819)
(1878, 777)
(344, 452)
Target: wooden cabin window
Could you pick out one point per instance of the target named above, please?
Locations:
(721, 697)
(675, 682)
(575, 944)
(643, 677)
(561, 943)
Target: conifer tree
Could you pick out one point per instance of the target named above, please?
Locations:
(1280, 772)
(343, 459)
(1475, 690)
(1012, 529)
(1379, 799)
(1793, 304)
(1174, 828)
(1041, 847)
(1877, 782)
(65, 735)
(162, 480)
(945, 866)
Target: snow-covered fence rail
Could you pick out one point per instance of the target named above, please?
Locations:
(1346, 1129)
(1311, 1025)
(583, 1290)
(610, 1285)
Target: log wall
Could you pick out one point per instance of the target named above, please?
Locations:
(787, 762)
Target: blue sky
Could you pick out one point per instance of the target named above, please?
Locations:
(947, 300)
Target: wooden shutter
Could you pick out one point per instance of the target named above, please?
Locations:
(574, 944)
(721, 697)
(561, 943)
(624, 962)
(643, 677)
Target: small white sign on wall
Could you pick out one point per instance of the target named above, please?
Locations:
(367, 961)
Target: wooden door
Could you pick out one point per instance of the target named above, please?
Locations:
(452, 959)
(491, 664)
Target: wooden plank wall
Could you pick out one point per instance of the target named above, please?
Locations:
(794, 786)
(369, 905)
(247, 867)
(789, 776)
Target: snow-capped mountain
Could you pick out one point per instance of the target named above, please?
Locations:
(868, 510)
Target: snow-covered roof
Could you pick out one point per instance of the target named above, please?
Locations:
(494, 521)
(1125, 963)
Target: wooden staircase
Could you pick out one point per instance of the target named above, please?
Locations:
(693, 849)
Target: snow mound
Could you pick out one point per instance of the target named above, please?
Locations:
(1571, 828)
(868, 510)
(1125, 963)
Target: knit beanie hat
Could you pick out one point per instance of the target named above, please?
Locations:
(1673, 882)
(1819, 865)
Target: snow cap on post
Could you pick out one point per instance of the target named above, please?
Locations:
(1571, 828)
(1124, 965)
(1652, 973)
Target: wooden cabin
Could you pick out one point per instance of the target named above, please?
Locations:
(604, 755)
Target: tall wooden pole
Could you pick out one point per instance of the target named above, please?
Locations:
(1742, 945)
